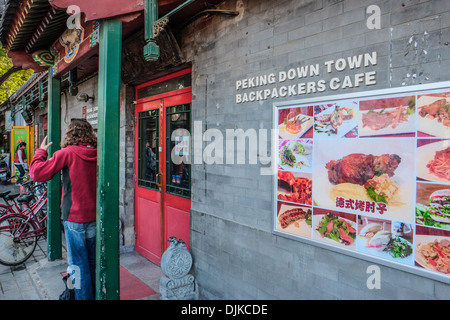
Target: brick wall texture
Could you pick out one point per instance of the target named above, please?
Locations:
(236, 255)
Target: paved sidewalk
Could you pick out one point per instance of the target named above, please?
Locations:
(17, 283)
(40, 279)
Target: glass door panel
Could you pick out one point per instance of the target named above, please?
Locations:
(148, 155)
(178, 168)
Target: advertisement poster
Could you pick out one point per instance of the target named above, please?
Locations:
(371, 176)
(18, 135)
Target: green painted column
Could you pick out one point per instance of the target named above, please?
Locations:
(54, 186)
(107, 272)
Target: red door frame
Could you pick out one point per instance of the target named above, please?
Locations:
(174, 217)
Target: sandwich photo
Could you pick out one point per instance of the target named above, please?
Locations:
(375, 236)
(370, 230)
(440, 206)
(433, 205)
(380, 240)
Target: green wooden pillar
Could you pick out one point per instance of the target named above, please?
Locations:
(107, 278)
(54, 186)
(151, 49)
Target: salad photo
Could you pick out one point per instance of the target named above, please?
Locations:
(295, 155)
(337, 228)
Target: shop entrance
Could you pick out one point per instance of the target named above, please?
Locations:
(163, 178)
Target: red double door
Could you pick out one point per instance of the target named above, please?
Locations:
(162, 150)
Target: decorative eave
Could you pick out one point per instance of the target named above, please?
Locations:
(38, 37)
(96, 10)
(51, 27)
(33, 25)
(7, 18)
(21, 12)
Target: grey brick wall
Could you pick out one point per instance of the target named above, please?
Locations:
(126, 170)
(236, 256)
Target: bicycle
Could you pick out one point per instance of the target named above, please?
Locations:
(25, 178)
(20, 232)
(9, 207)
(29, 187)
(36, 188)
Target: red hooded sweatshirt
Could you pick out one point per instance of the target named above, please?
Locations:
(79, 170)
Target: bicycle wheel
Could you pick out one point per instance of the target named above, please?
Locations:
(18, 239)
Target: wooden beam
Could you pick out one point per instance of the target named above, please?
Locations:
(96, 10)
(24, 61)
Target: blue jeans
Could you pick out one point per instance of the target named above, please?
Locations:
(80, 240)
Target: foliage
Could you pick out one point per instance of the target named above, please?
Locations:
(15, 80)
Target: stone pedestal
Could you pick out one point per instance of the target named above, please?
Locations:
(176, 263)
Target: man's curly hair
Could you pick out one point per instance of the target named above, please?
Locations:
(79, 131)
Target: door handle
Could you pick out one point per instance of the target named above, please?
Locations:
(158, 179)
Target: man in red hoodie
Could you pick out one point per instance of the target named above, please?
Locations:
(77, 160)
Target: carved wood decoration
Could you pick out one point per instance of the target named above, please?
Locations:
(135, 69)
(44, 58)
(23, 60)
(72, 45)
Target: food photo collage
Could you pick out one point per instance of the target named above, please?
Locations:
(369, 175)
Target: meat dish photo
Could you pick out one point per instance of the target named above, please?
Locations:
(295, 187)
(292, 215)
(434, 115)
(358, 167)
(294, 219)
(385, 118)
(335, 120)
(390, 116)
(439, 110)
(365, 174)
(350, 173)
